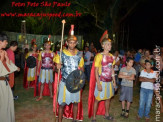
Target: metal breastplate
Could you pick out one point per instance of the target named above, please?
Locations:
(70, 63)
(47, 60)
(106, 74)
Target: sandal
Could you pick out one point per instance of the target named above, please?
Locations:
(108, 117)
(74, 120)
(93, 120)
(123, 113)
(137, 117)
(38, 99)
(146, 119)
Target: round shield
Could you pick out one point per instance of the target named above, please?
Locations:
(31, 62)
(75, 81)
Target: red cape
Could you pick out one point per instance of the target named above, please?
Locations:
(91, 97)
(46, 91)
(68, 110)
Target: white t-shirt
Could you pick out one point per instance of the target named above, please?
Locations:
(147, 85)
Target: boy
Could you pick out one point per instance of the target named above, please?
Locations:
(102, 82)
(11, 55)
(147, 77)
(87, 58)
(71, 60)
(46, 62)
(128, 75)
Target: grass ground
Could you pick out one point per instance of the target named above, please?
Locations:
(28, 110)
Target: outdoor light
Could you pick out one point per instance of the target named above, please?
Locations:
(114, 35)
(23, 20)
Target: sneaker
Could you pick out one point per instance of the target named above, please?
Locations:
(16, 97)
(123, 113)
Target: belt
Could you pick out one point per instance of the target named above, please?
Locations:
(2, 78)
(5, 79)
(107, 81)
(46, 67)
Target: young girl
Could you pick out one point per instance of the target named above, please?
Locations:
(105, 81)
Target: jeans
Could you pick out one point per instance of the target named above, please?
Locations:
(87, 72)
(145, 102)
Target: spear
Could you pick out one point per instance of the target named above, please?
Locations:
(63, 24)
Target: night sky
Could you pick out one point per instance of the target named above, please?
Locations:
(146, 25)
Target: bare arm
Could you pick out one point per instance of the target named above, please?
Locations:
(99, 86)
(131, 77)
(122, 76)
(151, 79)
(97, 75)
(39, 62)
(144, 79)
(113, 77)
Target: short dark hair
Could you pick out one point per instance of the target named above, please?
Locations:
(3, 36)
(147, 61)
(128, 59)
(13, 43)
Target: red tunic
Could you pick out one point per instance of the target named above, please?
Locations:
(11, 57)
(46, 62)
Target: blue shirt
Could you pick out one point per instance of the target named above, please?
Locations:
(137, 57)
